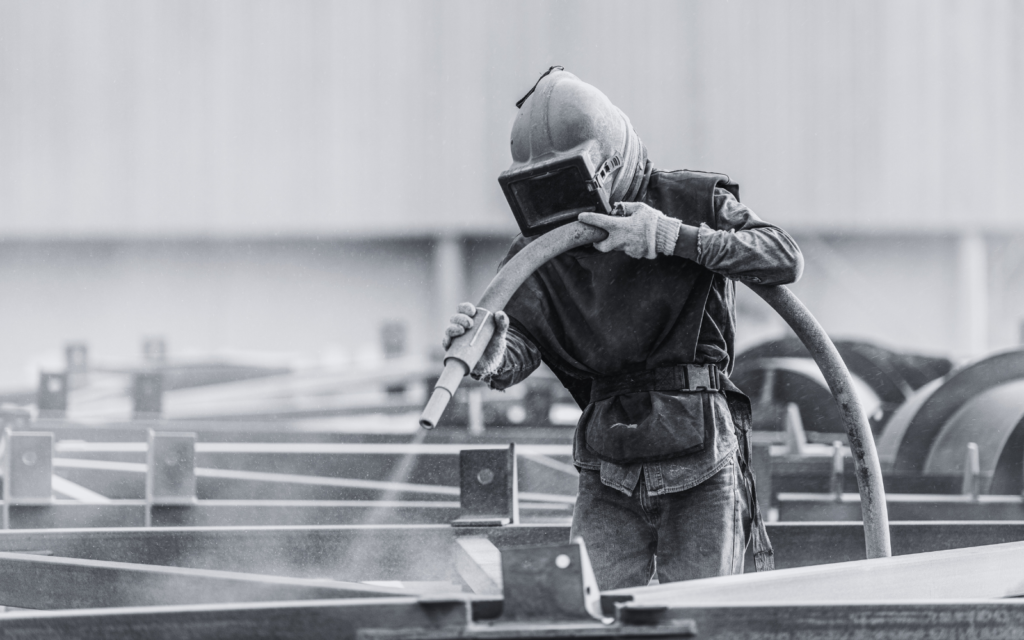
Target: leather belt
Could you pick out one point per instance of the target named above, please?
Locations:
(680, 377)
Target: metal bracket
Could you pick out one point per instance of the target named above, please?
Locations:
(171, 469)
(27, 468)
(551, 583)
(52, 397)
(488, 487)
(147, 394)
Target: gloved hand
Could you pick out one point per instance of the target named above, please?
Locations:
(494, 355)
(639, 230)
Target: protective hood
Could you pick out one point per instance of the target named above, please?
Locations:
(572, 151)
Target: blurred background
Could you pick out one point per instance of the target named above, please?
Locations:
(315, 180)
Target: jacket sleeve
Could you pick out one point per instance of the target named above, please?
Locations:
(747, 248)
(521, 359)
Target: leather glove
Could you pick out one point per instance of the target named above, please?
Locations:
(494, 355)
(639, 230)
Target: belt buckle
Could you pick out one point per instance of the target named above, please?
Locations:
(698, 378)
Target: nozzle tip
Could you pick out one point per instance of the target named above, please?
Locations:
(435, 407)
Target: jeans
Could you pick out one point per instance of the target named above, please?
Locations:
(698, 533)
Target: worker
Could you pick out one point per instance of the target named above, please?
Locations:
(639, 327)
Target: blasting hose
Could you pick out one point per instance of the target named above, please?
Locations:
(466, 350)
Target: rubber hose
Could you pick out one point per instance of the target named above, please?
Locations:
(858, 430)
(780, 298)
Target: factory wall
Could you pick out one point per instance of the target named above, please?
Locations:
(228, 118)
(324, 302)
(274, 176)
(282, 302)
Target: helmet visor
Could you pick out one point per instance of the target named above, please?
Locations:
(549, 195)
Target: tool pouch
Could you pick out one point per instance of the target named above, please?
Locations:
(652, 415)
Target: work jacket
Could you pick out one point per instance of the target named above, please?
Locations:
(590, 315)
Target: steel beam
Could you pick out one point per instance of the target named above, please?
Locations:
(36, 581)
(406, 552)
(409, 619)
(309, 620)
(987, 572)
(402, 553)
(65, 514)
(815, 507)
(224, 480)
(478, 562)
(801, 544)
(877, 621)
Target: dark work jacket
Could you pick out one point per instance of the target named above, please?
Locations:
(594, 314)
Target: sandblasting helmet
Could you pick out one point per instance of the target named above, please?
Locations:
(572, 151)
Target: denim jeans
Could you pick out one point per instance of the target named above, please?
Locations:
(697, 533)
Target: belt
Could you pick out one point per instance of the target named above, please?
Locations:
(680, 377)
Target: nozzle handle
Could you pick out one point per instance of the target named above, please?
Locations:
(465, 351)
(451, 377)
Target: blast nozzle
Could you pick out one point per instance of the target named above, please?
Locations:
(435, 407)
(454, 371)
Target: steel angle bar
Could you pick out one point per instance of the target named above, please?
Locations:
(353, 483)
(394, 552)
(305, 620)
(77, 492)
(878, 620)
(813, 507)
(373, 448)
(478, 562)
(265, 476)
(800, 544)
(64, 514)
(547, 461)
(317, 448)
(42, 582)
(301, 479)
(986, 572)
(402, 551)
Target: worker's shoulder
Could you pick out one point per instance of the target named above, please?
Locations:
(517, 245)
(692, 178)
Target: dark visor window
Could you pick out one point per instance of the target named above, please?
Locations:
(558, 191)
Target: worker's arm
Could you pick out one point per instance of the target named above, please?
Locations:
(521, 359)
(510, 356)
(743, 247)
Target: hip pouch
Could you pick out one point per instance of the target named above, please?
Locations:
(652, 415)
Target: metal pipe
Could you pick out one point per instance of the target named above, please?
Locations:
(467, 349)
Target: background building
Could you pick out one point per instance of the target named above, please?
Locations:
(289, 176)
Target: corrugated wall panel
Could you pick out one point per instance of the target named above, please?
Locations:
(259, 118)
